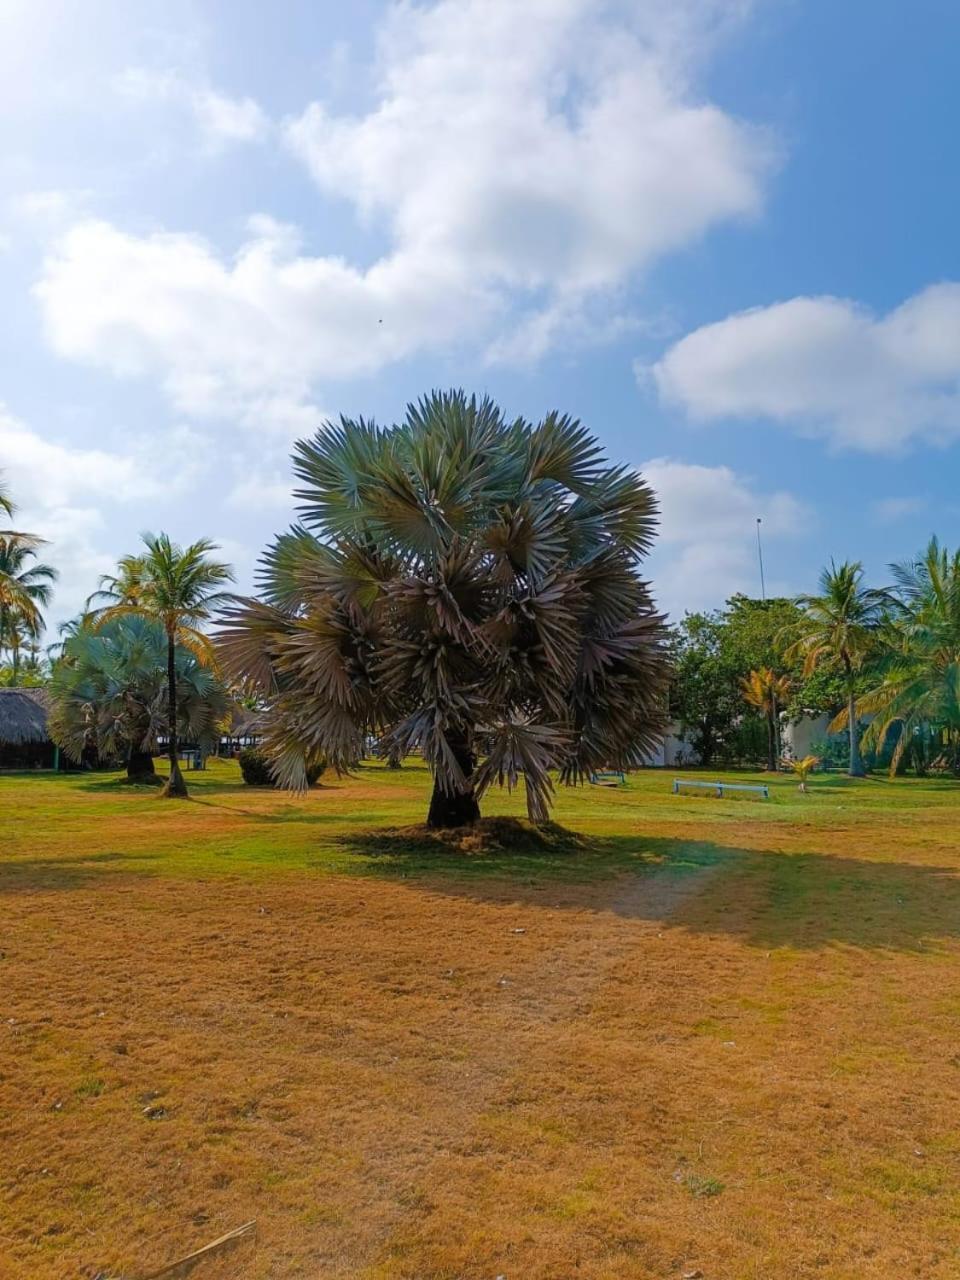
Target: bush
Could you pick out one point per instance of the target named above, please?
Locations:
(255, 767)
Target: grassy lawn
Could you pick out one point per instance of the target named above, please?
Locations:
(721, 1039)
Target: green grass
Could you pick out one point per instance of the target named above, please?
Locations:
(78, 825)
(713, 1035)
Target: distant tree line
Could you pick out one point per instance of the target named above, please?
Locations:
(883, 663)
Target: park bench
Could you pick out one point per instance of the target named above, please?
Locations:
(603, 778)
(721, 787)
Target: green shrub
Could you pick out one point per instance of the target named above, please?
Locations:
(255, 767)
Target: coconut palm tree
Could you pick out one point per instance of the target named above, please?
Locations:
(465, 585)
(918, 677)
(125, 586)
(767, 691)
(179, 587)
(25, 587)
(838, 632)
(109, 693)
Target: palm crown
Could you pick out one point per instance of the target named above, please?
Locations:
(840, 624)
(464, 585)
(25, 589)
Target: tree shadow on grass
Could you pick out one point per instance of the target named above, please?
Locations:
(766, 898)
(41, 875)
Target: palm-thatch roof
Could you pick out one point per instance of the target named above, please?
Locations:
(245, 723)
(23, 716)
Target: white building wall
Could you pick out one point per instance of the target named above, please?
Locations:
(798, 739)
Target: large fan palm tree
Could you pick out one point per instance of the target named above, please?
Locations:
(109, 692)
(26, 586)
(918, 684)
(767, 692)
(462, 585)
(179, 587)
(838, 632)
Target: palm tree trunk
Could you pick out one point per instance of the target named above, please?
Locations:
(15, 674)
(775, 713)
(856, 764)
(456, 809)
(140, 766)
(175, 784)
(771, 740)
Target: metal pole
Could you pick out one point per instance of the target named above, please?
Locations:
(763, 589)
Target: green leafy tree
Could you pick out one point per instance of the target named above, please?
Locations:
(179, 587)
(704, 689)
(465, 585)
(109, 692)
(714, 652)
(837, 632)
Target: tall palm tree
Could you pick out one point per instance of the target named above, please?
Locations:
(838, 632)
(767, 691)
(180, 587)
(25, 589)
(6, 502)
(918, 684)
(465, 585)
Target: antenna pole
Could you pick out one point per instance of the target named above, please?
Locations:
(763, 589)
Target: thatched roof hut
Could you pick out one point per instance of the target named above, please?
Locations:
(23, 716)
(246, 730)
(24, 737)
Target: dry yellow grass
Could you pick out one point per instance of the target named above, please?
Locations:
(723, 1040)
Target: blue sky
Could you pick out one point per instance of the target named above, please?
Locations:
(723, 234)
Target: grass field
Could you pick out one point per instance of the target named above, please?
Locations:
(720, 1041)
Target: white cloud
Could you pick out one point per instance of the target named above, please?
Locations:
(244, 338)
(62, 491)
(706, 549)
(260, 492)
(826, 366)
(523, 160)
(554, 144)
(889, 510)
(221, 119)
(42, 473)
(74, 548)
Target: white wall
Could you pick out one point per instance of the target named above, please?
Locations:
(798, 739)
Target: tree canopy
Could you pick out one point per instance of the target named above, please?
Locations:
(466, 586)
(109, 694)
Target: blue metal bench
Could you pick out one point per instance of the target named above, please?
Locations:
(597, 777)
(721, 787)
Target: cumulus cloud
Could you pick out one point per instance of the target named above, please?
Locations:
(706, 549)
(826, 366)
(553, 144)
(61, 491)
(246, 337)
(42, 472)
(220, 118)
(522, 161)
